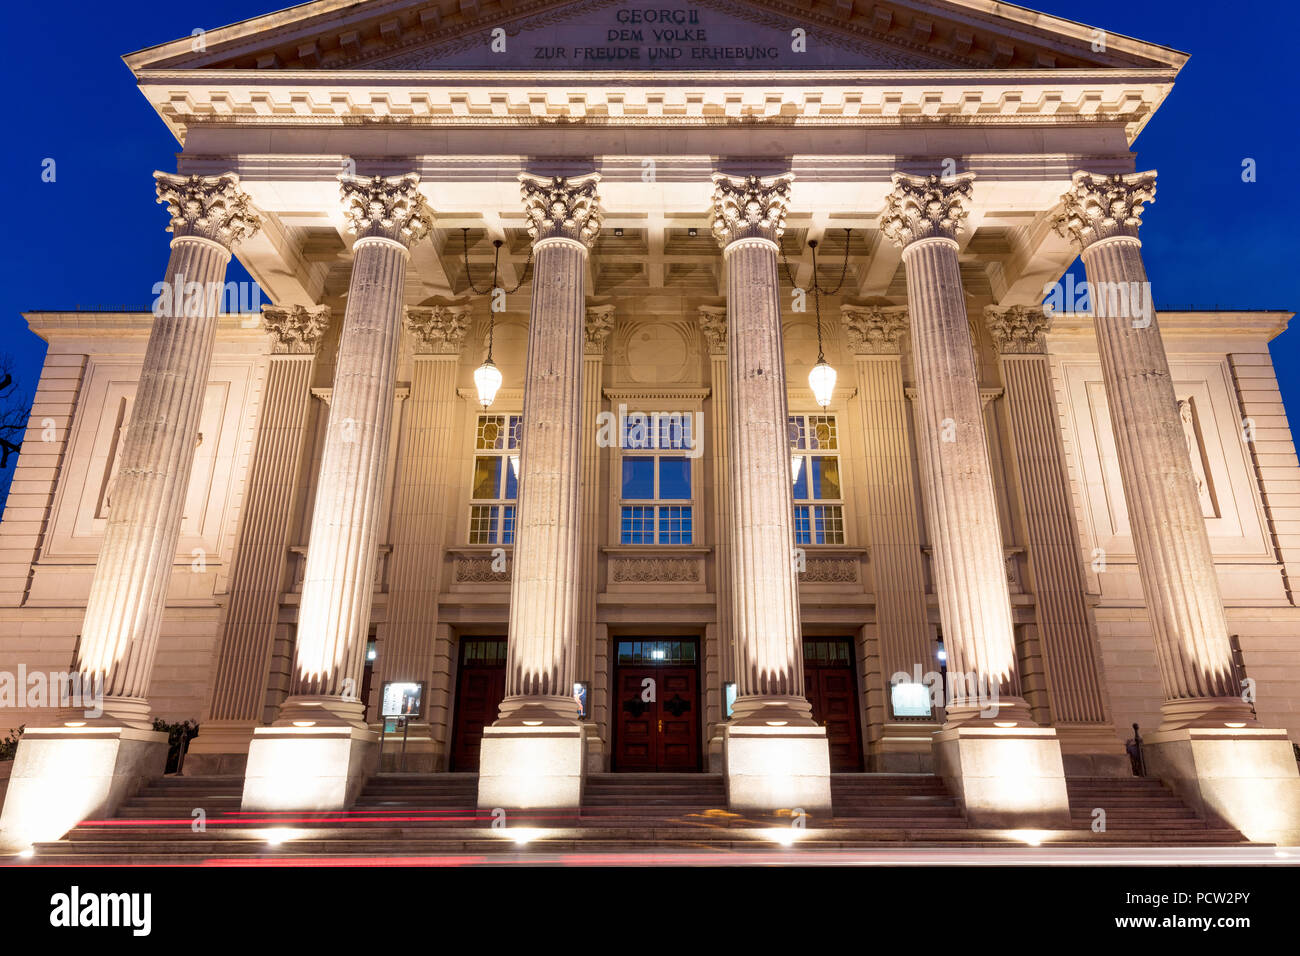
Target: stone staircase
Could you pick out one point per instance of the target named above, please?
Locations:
(434, 815)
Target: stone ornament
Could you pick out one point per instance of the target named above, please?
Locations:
(385, 207)
(750, 208)
(562, 207)
(1019, 328)
(873, 329)
(600, 322)
(207, 207)
(925, 207)
(654, 570)
(713, 322)
(1101, 207)
(298, 329)
(438, 329)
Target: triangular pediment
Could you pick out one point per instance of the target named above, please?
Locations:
(654, 35)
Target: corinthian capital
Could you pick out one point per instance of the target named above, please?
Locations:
(297, 329)
(600, 322)
(924, 207)
(562, 207)
(1018, 328)
(1101, 207)
(750, 208)
(438, 329)
(209, 207)
(385, 207)
(873, 329)
(713, 322)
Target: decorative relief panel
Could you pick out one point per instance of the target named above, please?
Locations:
(654, 570)
(476, 570)
(830, 571)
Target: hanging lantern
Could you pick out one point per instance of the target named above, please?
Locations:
(822, 382)
(487, 379)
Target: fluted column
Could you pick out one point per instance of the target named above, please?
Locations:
(209, 217)
(874, 335)
(713, 322)
(970, 577)
(748, 220)
(563, 220)
(387, 215)
(1076, 696)
(420, 513)
(599, 323)
(244, 648)
(1102, 214)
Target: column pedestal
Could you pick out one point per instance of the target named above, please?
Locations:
(63, 775)
(1004, 777)
(777, 768)
(308, 768)
(526, 767)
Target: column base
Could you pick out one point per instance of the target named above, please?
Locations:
(308, 768)
(1005, 776)
(777, 768)
(904, 748)
(64, 775)
(532, 767)
(1244, 777)
(1093, 750)
(220, 748)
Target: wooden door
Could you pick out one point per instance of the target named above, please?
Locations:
(657, 719)
(480, 688)
(832, 690)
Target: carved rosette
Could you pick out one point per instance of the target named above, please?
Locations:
(207, 207)
(385, 207)
(438, 329)
(750, 208)
(873, 329)
(713, 322)
(298, 329)
(600, 322)
(1101, 207)
(925, 207)
(1019, 328)
(562, 207)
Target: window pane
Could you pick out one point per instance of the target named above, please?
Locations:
(675, 430)
(638, 478)
(828, 524)
(638, 525)
(825, 476)
(674, 525)
(508, 525)
(516, 429)
(795, 423)
(801, 480)
(490, 431)
(822, 433)
(636, 431)
(802, 531)
(483, 524)
(674, 479)
(512, 477)
(487, 477)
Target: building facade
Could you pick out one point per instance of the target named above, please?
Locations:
(657, 549)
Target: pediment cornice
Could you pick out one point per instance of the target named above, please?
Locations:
(900, 34)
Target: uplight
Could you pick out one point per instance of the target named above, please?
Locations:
(1004, 723)
(1235, 724)
(777, 723)
(532, 723)
(304, 723)
(783, 835)
(74, 723)
(28, 853)
(278, 835)
(522, 835)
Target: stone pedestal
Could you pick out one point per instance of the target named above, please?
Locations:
(1004, 777)
(63, 775)
(772, 750)
(1244, 777)
(532, 767)
(308, 768)
(220, 748)
(772, 769)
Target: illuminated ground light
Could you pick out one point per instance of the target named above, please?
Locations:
(522, 835)
(1030, 837)
(28, 853)
(786, 836)
(278, 835)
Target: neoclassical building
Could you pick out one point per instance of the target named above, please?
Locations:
(660, 388)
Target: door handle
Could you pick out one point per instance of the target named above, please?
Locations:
(661, 726)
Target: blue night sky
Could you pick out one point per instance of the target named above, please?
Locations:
(95, 236)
